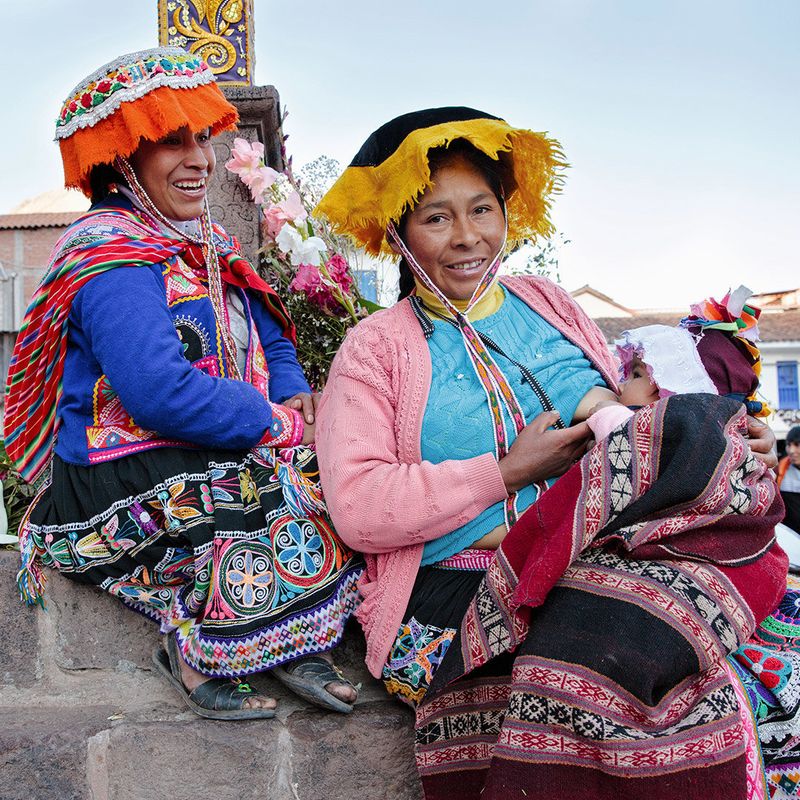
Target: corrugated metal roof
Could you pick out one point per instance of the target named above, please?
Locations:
(55, 219)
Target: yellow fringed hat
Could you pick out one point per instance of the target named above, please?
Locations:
(142, 95)
(391, 171)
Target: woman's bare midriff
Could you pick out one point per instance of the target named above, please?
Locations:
(491, 541)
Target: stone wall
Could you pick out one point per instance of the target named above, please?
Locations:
(229, 199)
(84, 716)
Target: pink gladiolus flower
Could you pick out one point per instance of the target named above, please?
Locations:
(259, 181)
(245, 157)
(274, 220)
(337, 269)
(289, 210)
(306, 279)
(293, 207)
(247, 161)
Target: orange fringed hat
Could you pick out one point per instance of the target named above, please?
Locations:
(142, 95)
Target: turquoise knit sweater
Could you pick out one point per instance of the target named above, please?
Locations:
(457, 422)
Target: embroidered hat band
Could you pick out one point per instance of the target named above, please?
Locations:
(142, 95)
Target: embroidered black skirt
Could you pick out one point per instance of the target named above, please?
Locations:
(208, 544)
(440, 597)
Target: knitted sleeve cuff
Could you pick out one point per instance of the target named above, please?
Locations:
(603, 421)
(285, 430)
(482, 475)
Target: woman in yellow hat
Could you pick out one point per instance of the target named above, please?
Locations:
(551, 645)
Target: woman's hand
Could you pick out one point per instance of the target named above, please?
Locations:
(309, 432)
(541, 451)
(762, 442)
(306, 404)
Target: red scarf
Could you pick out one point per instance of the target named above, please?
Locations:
(104, 238)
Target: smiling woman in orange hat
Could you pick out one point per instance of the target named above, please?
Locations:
(155, 386)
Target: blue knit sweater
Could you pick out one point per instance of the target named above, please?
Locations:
(457, 421)
(145, 368)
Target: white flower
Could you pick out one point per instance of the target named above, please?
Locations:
(288, 238)
(301, 251)
(310, 252)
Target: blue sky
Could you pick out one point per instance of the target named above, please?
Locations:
(680, 119)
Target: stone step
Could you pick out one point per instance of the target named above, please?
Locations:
(84, 715)
(95, 753)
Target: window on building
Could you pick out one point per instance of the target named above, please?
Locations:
(11, 311)
(11, 300)
(787, 385)
(367, 282)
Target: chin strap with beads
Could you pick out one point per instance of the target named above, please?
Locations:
(210, 255)
(495, 384)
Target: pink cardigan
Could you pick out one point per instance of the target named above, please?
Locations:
(383, 499)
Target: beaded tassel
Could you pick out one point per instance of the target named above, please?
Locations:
(31, 578)
(302, 495)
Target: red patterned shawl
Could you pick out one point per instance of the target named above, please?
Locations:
(104, 238)
(592, 657)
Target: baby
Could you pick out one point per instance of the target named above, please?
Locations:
(712, 351)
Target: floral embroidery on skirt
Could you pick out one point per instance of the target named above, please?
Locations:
(205, 544)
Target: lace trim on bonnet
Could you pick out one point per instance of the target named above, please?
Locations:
(670, 356)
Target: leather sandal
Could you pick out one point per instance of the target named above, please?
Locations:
(216, 698)
(307, 677)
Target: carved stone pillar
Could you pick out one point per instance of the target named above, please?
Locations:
(221, 31)
(229, 199)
